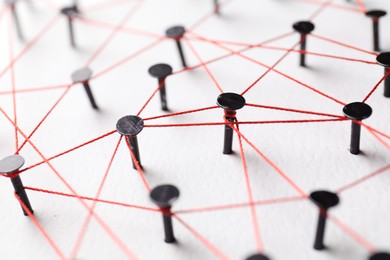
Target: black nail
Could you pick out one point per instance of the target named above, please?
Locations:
(375, 15)
(161, 72)
(71, 12)
(11, 165)
(230, 102)
(83, 76)
(130, 127)
(303, 28)
(383, 59)
(164, 196)
(380, 256)
(356, 111)
(258, 257)
(324, 200)
(177, 33)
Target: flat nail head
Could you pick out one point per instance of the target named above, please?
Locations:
(175, 32)
(70, 11)
(303, 27)
(258, 257)
(11, 164)
(231, 101)
(164, 195)
(81, 75)
(324, 199)
(357, 111)
(383, 59)
(130, 125)
(160, 70)
(380, 256)
(376, 13)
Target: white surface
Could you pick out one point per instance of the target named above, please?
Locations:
(315, 156)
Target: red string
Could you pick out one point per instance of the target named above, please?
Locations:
(197, 37)
(352, 234)
(104, 5)
(41, 229)
(133, 10)
(160, 85)
(30, 44)
(93, 199)
(379, 139)
(294, 110)
(255, 221)
(70, 150)
(204, 66)
(334, 5)
(139, 169)
(88, 219)
(363, 179)
(203, 19)
(280, 73)
(202, 239)
(376, 86)
(374, 130)
(231, 54)
(342, 44)
(102, 24)
(251, 122)
(45, 117)
(320, 9)
(361, 6)
(35, 89)
(272, 67)
(128, 58)
(241, 205)
(181, 113)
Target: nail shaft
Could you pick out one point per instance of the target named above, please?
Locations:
(17, 22)
(133, 142)
(376, 34)
(168, 228)
(163, 94)
(181, 53)
(21, 192)
(319, 239)
(387, 83)
(216, 6)
(303, 50)
(355, 138)
(228, 138)
(71, 32)
(89, 94)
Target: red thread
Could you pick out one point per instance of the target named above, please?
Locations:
(352, 234)
(202, 239)
(241, 205)
(376, 86)
(204, 66)
(363, 179)
(342, 44)
(93, 199)
(41, 229)
(181, 113)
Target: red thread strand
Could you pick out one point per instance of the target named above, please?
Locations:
(241, 205)
(251, 122)
(352, 234)
(204, 66)
(139, 169)
(376, 86)
(70, 150)
(113, 33)
(181, 113)
(41, 229)
(88, 219)
(35, 89)
(255, 221)
(93, 199)
(30, 44)
(342, 44)
(363, 179)
(202, 239)
(295, 110)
